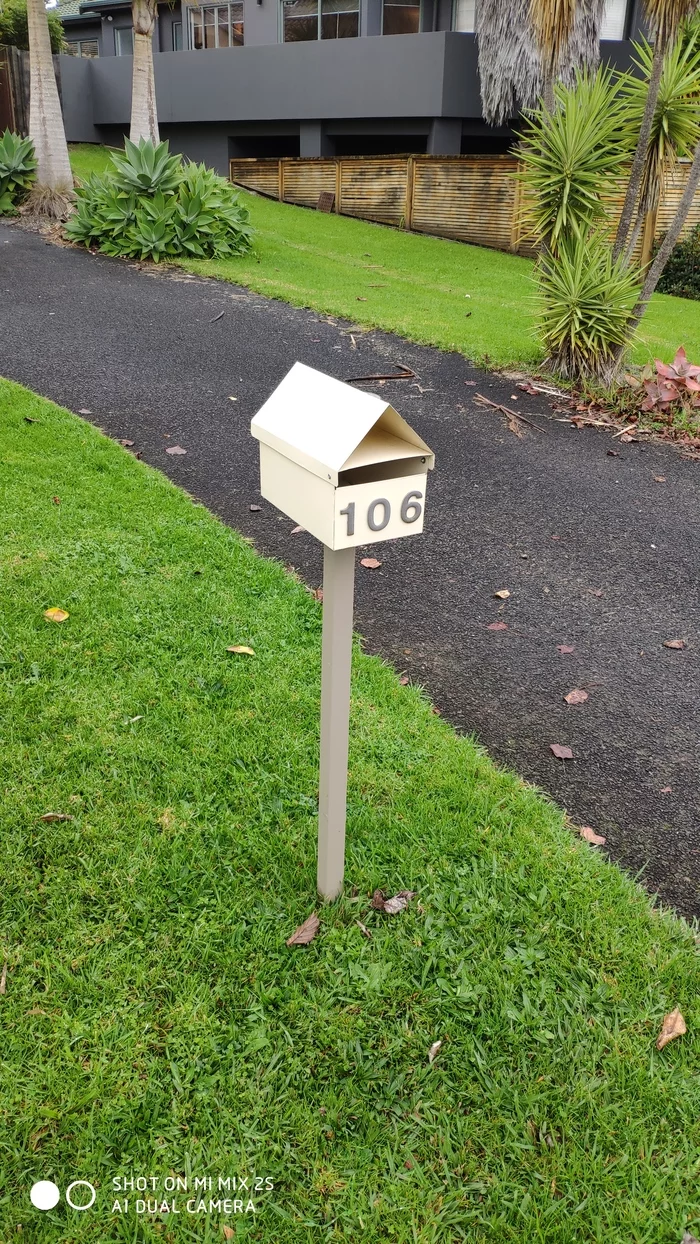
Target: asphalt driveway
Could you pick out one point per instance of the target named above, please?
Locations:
(600, 553)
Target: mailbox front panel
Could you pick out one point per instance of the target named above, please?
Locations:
(385, 510)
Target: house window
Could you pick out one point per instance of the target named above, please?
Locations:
(464, 16)
(614, 20)
(177, 36)
(124, 41)
(216, 26)
(304, 20)
(83, 47)
(400, 18)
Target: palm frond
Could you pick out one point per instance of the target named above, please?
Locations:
(665, 17)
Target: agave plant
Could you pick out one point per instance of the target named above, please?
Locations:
(145, 168)
(573, 155)
(587, 299)
(17, 170)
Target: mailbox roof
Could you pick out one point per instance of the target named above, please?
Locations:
(320, 423)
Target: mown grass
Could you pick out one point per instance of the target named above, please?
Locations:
(154, 1021)
(412, 285)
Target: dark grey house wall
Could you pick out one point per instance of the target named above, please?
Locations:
(76, 98)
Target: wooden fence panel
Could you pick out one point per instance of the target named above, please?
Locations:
(262, 176)
(304, 180)
(374, 189)
(471, 198)
(671, 199)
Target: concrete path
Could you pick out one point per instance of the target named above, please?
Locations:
(596, 552)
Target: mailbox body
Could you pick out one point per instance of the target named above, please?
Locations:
(343, 464)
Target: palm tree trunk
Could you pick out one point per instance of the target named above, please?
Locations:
(45, 118)
(658, 264)
(144, 114)
(635, 179)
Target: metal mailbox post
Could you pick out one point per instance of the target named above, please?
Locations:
(346, 467)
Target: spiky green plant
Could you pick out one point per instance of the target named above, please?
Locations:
(145, 168)
(17, 170)
(574, 155)
(587, 300)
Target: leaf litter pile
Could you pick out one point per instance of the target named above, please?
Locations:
(149, 1004)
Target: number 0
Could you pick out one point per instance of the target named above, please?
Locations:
(414, 506)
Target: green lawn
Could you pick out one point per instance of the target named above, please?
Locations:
(413, 285)
(154, 1022)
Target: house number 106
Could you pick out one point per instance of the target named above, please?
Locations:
(379, 512)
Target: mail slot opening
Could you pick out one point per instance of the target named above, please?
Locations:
(381, 470)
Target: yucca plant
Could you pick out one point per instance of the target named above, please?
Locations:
(675, 127)
(573, 155)
(587, 299)
(17, 170)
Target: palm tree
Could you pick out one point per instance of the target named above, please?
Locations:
(144, 115)
(527, 45)
(664, 18)
(53, 189)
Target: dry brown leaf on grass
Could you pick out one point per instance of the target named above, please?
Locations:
(306, 931)
(497, 626)
(50, 817)
(392, 905)
(175, 449)
(674, 643)
(591, 836)
(241, 648)
(503, 594)
(434, 1051)
(56, 615)
(370, 563)
(562, 753)
(228, 1233)
(577, 696)
(3, 978)
(363, 928)
(672, 1027)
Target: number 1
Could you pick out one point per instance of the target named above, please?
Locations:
(350, 511)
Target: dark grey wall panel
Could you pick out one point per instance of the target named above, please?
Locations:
(76, 96)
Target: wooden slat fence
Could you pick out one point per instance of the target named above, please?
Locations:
(475, 198)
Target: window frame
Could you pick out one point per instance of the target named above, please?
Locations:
(78, 43)
(319, 20)
(119, 32)
(404, 4)
(453, 25)
(625, 25)
(229, 5)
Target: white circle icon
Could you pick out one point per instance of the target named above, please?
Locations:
(44, 1194)
(80, 1183)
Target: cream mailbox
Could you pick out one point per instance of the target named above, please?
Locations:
(346, 467)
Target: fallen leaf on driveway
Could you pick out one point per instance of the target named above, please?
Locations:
(370, 563)
(565, 649)
(672, 1027)
(50, 817)
(471, 383)
(392, 905)
(563, 753)
(674, 643)
(297, 531)
(577, 696)
(254, 509)
(665, 790)
(591, 836)
(56, 615)
(497, 626)
(434, 1049)
(175, 449)
(503, 594)
(306, 931)
(660, 479)
(404, 680)
(84, 411)
(126, 444)
(596, 591)
(241, 648)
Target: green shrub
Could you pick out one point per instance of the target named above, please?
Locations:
(13, 26)
(17, 171)
(151, 206)
(681, 276)
(587, 300)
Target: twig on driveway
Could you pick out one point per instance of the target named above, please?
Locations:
(406, 373)
(511, 414)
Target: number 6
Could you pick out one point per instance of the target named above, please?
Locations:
(407, 504)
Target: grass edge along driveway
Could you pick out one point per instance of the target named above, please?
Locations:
(154, 1021)
(476, 301)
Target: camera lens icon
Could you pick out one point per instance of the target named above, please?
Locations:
(46, 1194)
